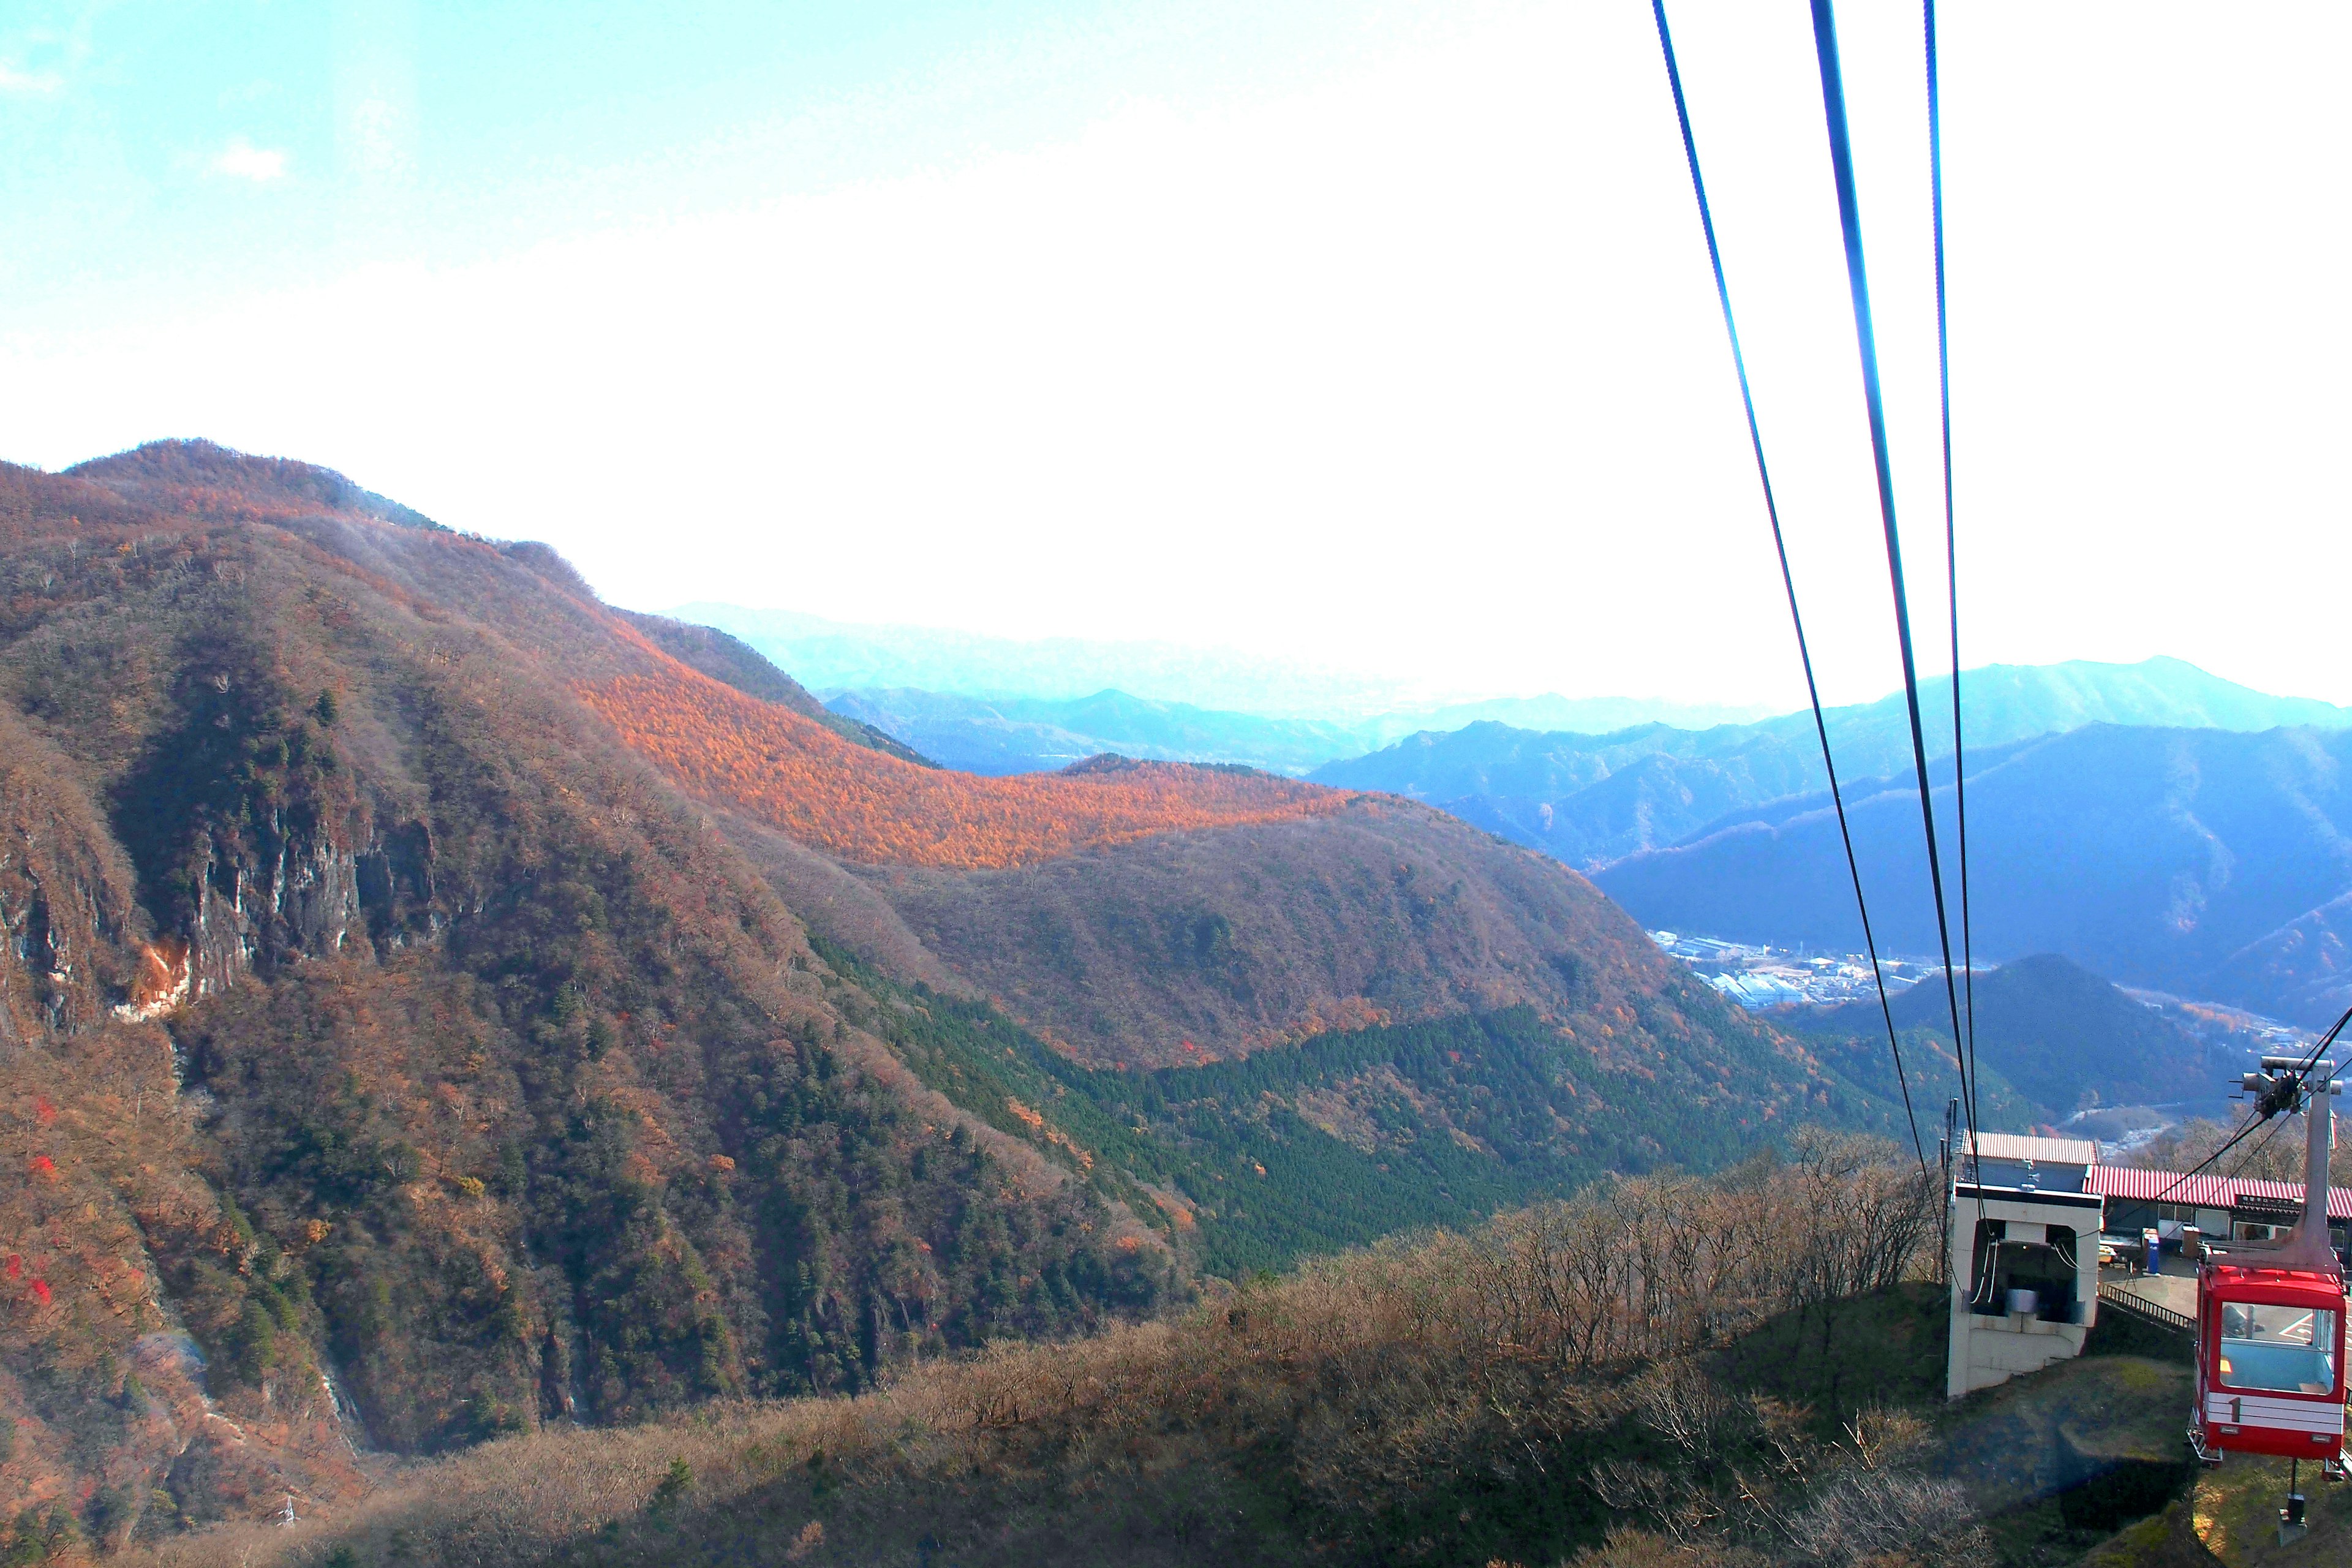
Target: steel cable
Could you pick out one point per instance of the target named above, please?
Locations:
(1951, 551)
(1788, 579)
(1826, 50)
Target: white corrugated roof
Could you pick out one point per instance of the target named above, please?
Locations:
(2040, 1150)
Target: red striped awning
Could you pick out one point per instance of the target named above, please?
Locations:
(2205, 1191)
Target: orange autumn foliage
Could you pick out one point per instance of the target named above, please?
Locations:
(799, 776)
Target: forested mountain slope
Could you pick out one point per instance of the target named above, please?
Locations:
(1208, 944)
(2201, 862)
(411, 1026)
(734, 663)
(2054, 1032)
(1594, 799)
(509, 1089)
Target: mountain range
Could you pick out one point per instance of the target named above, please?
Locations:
(1593, 799)
(2204, 863)
(1038, 734)
(1596, 799)
(434, 1004)
(2050, 1038)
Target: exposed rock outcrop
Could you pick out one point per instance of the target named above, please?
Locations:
(65, 909)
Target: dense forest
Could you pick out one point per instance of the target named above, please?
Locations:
(1346, 1137)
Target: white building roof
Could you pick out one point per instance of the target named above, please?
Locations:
(2040, 1150)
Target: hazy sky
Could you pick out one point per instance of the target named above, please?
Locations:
(1379, 333)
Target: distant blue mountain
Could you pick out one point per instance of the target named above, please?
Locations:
(2151, 821)
(1593, 799)
(1033, 734)
(2206, 863)
(2054, 1034)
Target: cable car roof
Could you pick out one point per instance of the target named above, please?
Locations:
(2279, 1286)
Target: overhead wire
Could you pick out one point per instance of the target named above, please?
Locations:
(2261, 1143)
(1951, 551)
(2253, 1121)
(1825, 50)
(1788, 578)
(2302, 1070)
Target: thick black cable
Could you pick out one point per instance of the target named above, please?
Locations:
(2302, 1071)
(2189, 1174)
(1788, 579)
(1951, 551)
(2259, 1145)
(1866, 340)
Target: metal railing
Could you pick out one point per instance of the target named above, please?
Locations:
(2122, 1297)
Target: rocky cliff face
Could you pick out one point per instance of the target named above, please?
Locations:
(67, 913)
(370, 1020)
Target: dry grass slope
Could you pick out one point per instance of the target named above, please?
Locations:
(1511, 1391)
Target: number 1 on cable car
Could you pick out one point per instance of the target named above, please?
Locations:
(2271, 1318)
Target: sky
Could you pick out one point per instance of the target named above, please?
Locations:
(1373, 332)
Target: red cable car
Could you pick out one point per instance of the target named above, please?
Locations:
(2270, 1368)
(2270, 1321)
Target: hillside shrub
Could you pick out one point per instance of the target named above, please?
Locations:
(1552, 1382)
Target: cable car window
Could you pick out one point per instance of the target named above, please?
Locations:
(2285, 1350)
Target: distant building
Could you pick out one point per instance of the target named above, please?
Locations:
(1755, 991)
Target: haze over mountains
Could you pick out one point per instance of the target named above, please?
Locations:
(1036, 734)
(1592, 799)
(1140, 696)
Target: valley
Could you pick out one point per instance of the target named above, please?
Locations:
(2198, 862)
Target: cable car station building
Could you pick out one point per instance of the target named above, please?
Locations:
(2024, 1264)
(2026, 1216)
